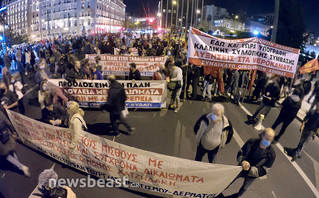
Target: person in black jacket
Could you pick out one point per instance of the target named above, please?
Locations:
(256, 158)
(116, 104)
(289, 110)
(272, 94)
(76, 73)
(309, 128)
(134, 73)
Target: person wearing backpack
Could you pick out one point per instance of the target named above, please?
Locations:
(212, 131)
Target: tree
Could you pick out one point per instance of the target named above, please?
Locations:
(291, 24)
(12, 38)
(313, 54)
(205, 25)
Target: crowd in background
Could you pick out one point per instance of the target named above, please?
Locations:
(65, 58)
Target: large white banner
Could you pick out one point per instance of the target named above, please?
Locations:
(140, 94)
(244, 54)
(120, 65)
(106, 159)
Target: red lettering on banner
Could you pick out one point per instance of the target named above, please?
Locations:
(139, 98)
(63, 134)
(152, 67)
(155, 163)
(119, 153)
(89, 143)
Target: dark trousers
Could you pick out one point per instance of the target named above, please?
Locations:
(247, 182)
(305, 136)
(21, 106)
(117, 116)
(195, 85)
(284, 126)
(201, 151)
(261, 107)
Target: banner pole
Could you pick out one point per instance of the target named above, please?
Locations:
(243, 97)
(186, 82)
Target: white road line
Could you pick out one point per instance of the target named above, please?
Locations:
(273, 194)
(316, 168)
(239, 141)
(36, 86)
(295, 165)
(245, 110)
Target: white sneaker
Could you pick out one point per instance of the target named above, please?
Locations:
(25, 170)
(176, 110)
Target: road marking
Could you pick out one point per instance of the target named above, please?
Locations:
(295, 165)
(273, 194)
(239, 141)
(30, 90)
(245, 110)
(316, 168)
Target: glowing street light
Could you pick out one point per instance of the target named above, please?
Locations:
(236, 17)
(174, 2)
(159, 14)
(198, 11)
(256, 32)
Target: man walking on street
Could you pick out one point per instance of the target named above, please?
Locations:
(314, 92)
(116, 104)
(213, 131)
(256, 158)
(288, 112)
(272, 94)
(309, 128)
(176, 76)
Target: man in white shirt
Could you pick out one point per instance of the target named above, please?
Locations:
(214, 132)
(176, 75)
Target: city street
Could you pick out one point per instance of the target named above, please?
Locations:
(172, 134)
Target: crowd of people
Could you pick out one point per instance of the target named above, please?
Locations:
(65, 58)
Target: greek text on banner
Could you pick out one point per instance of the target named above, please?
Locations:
(120, 65)
(107, 159)
(244, 54)
(140, 94)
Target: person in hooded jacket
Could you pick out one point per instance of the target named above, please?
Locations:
(289, 110)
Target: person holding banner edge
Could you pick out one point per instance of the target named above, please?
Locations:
(256, 158)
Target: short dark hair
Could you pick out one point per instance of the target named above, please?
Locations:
(133, 65)
(297, 91)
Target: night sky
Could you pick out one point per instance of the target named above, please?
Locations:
(310, 7)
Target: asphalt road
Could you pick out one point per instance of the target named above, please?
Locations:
(172, 134)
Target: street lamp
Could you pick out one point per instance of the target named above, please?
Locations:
(159, 14)
(236, 17)
(174, 2)
(198, 11)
